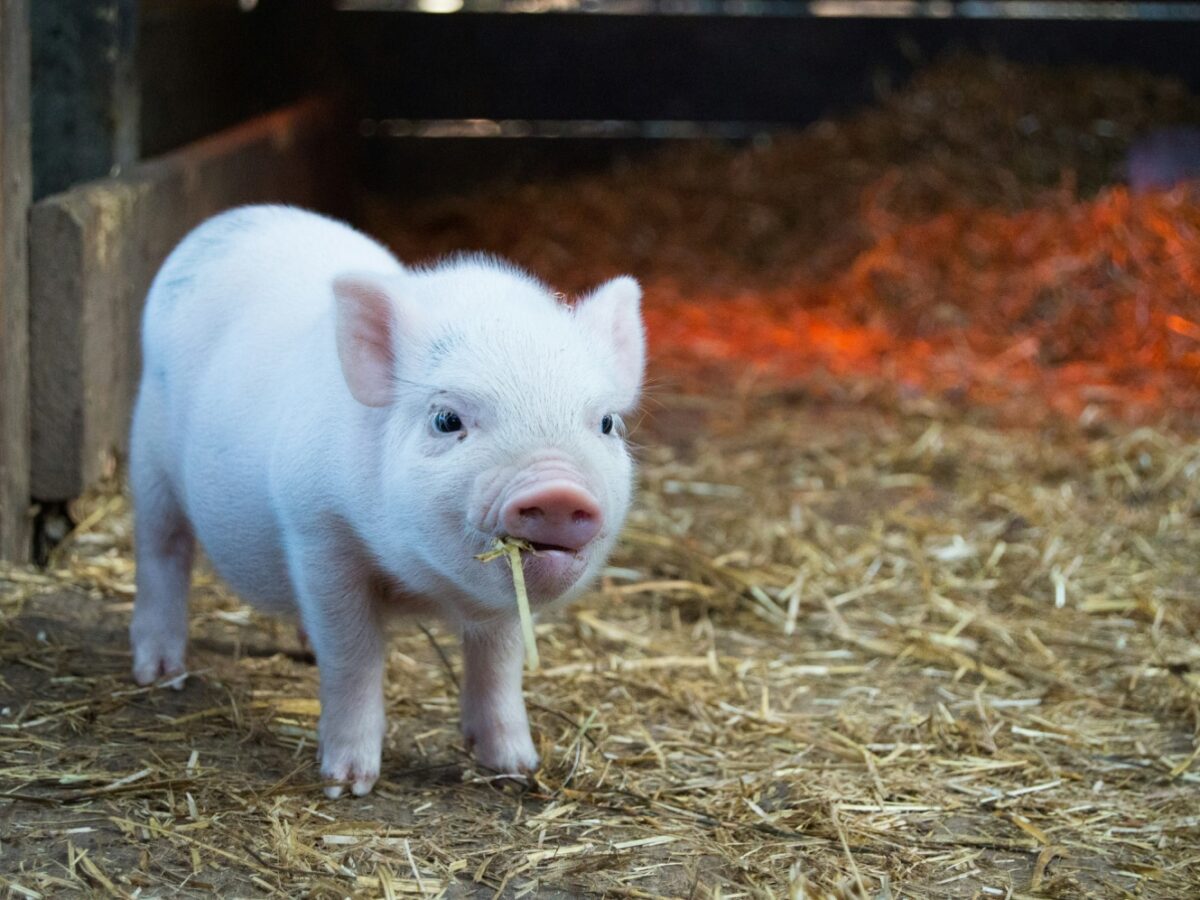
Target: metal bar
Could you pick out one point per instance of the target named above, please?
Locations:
(86, 91)
(1004, 10)
(570, 129)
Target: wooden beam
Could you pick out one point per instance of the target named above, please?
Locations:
(15, 187)
(95, 250)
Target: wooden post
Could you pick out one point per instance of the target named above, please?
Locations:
(15, 192)
(95, 249)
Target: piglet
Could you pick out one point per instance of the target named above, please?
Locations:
(343, 435)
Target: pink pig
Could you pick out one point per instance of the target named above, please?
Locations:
(343, 435)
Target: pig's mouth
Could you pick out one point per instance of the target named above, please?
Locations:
(552, 548)
(551, 569)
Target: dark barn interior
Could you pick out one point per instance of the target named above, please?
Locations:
(909, 601)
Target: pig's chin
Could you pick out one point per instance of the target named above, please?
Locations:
(550, 573)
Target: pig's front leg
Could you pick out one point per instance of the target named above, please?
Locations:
(494, 722)
(342, 620)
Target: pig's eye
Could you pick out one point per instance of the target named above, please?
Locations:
(609, 422)
(447, 422)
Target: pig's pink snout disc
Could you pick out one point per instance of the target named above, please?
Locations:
(553, 517)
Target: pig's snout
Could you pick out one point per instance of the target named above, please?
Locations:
(557, 516)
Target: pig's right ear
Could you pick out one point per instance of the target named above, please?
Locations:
(366, 337)
(612, 312)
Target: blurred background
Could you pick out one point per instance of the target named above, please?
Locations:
(848, 194)
(979, 201)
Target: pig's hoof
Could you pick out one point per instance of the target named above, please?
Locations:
(156, 657)
(506, 752)
(347, 768)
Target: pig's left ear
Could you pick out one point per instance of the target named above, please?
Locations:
(612, 312)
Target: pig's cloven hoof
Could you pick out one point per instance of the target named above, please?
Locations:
(356, 767)
(157, 656)
(506, 752)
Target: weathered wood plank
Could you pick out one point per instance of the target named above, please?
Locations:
(95, 251)
(15, 186)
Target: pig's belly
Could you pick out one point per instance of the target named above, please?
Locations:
(255, 569)
(231, 513)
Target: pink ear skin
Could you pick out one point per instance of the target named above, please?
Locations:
(613, 313)
(366, 335)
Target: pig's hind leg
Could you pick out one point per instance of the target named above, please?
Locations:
(164, 546)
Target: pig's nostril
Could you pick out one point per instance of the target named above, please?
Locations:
(559, 515)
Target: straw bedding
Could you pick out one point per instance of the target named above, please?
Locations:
(887, 648)
(859, 641)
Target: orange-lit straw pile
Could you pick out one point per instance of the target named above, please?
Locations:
(968, 238)
(1080, 305)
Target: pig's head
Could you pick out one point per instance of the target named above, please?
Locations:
(500, 415)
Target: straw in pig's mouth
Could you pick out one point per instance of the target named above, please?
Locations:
(512, 549)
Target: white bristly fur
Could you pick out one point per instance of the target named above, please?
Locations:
(292, 370)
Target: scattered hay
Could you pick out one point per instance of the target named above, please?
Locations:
(881, 654)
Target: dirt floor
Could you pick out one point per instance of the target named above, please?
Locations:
(841, 646)
(908, 605)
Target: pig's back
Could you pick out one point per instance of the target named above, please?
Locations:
(264, 271)
(237, 333)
